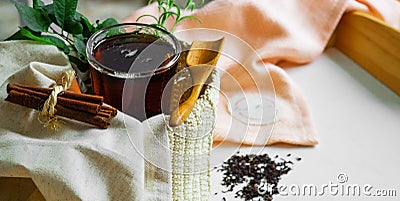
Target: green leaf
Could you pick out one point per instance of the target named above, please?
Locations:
(83, 19)
(168, 9)
(150, 1)
(143, 16)
(189, 17)
(18, 35)
(80, 45)
(50, 40)
(163, 17)
(81, 65)
(189, 4)
(86, 25)
(178, 10)
(57, 42)
(49, 9)
(64, 10)
(183, 18)
(73, 26)
(107, 22)
(37, 4)
(33, 18)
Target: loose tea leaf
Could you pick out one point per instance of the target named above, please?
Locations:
(258, 174)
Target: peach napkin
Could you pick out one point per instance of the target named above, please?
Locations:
(275, 32)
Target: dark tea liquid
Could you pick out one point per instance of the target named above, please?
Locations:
(143, 57)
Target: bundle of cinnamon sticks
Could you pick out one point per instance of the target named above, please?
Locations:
(82, 107)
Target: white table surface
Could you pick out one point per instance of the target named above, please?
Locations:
(358, 123)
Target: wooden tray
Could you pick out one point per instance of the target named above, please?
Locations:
(371, 43)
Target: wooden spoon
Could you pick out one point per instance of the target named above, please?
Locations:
(202, 57)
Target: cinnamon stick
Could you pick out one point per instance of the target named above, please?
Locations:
(64, 101)
(66, 94)
(105, 114)
(113, 110)
(36, 102)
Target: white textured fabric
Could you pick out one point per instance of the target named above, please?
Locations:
(128, 161)
(78, 161)
(191, 145)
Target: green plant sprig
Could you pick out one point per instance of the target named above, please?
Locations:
(169, 9)
(58, 24)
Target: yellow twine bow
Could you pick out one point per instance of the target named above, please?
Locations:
(49, 110)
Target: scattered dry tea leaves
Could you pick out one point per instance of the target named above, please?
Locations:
(256, 175)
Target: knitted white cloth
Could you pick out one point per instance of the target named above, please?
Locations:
(191, 144)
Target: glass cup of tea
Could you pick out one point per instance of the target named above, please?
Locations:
(131, 64)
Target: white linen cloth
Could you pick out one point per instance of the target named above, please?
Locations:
(77, 161)
(130, 160)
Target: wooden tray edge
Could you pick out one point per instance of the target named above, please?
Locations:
(371, 43)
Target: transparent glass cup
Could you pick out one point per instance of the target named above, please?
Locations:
(130, 66)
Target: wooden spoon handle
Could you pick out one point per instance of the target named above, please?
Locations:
(202, 58)
(179, 115)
